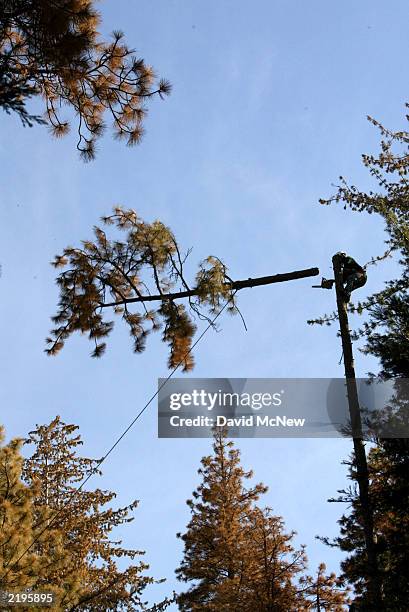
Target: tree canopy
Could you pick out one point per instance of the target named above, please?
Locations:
(389, 199)
(385, 332)
(52, 49)
(57, 537)
(388, 463)
(20, 525)
(238, 556)
(116, 274)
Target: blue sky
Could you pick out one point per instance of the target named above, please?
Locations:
(268, 109)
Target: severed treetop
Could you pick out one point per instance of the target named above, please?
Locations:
(126, 276)
(122, 276)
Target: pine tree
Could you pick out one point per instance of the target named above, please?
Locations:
(388, 463)
(386, 336)
(389, 470)
(269, 583)
(215, 543)
(20, 570)
(238, 556)
(90, 578)
(52, 49)
(323, 592)
(390, 201)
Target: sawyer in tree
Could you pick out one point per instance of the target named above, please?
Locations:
(353, 275)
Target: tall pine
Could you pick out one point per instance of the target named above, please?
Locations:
(238, 556)
(388, 463)
(91, 577)
(21, 568)
(215, 557)
(386, 334)
(272, 565)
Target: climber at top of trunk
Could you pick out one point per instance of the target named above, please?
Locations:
(353, 275)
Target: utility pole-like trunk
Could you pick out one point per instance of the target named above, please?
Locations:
(361, 465)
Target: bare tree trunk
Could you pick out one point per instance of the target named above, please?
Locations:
(234, 285)
(374, 590)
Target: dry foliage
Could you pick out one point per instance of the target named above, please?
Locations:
(145, 267)
(52, 48)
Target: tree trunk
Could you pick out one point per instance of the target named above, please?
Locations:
(374, 590)
(234, 285)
